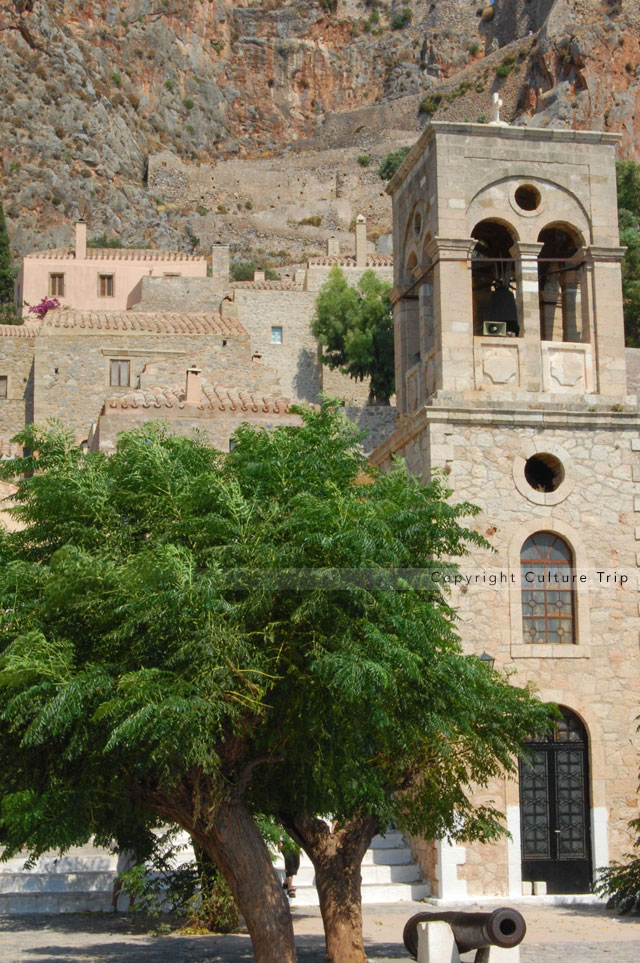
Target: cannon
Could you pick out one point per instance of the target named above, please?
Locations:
(504, 927)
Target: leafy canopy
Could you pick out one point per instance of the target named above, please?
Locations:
(177, 624)
(355, 327)
(628, 174)
(7, 272)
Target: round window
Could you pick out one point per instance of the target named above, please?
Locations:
(544, 472)
(528, 197)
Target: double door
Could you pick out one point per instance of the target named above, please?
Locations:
(554, 810)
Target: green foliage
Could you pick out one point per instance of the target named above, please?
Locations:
(193, 889)
(329, 5)
(364, 160)
(188, 103)
(355, 327)
(628, 174)
(202, 210)
(10, 314)
(621, 882)
(170, 617)
(392, 162)
(243, 270)
(401, 19)
(7, 272)
(117, 79)
(504, 69)
(314, 221)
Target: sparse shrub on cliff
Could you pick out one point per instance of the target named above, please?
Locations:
(392, 162)
(116, 78)
(487, 14)
(244, 269)
(187, 103)
(314, 221)
(401, 19)
(364, 160)
(329, 5)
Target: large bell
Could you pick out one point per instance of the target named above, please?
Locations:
(502, 307)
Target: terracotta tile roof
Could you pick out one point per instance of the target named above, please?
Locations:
(282, 285)
(156, 321)
(349, 260)
(116, 254)
(18, 330)
(214, 396)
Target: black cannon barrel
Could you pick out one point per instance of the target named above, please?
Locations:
(504, 927)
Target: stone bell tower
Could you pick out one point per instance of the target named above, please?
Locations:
(510, 378)
(490, 214)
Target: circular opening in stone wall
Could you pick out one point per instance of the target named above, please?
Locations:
(528, 197)
(544, 472)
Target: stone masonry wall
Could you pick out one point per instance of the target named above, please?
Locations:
(72, 368)
(16, 361)
(178, 294)
(597, 511)
(296, 359)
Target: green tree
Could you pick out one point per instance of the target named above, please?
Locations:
(190, 638)
(628, 175)
(8, 313)
(355, 328)
(390, 164)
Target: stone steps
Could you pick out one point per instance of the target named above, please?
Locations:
(388, 874)
(82, 879)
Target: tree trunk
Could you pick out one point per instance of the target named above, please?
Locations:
(228, 835)
(236, 846)
(337, 858)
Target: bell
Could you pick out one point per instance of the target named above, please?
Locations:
(502, 307)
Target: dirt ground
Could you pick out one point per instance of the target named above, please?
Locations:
(576, 934)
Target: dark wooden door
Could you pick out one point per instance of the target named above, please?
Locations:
(554, 810)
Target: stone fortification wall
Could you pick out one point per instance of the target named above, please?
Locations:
(317, 274)
(16, 363)
(72, 368)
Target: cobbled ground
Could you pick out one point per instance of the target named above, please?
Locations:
(576, 934)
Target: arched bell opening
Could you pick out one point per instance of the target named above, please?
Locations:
(411, 317)
(493, 279)
(560, 284)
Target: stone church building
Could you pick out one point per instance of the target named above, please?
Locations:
(510, 377)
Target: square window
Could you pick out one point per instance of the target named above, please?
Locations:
(276, 334)
(105, 285)
(119, 374)
(56, 285)
(3, 386)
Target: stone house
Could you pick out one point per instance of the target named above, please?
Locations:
(511, 378)
(97, 279)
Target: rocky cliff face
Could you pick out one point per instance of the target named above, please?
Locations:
(91, 90)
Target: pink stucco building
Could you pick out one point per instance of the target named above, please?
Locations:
(98, 279)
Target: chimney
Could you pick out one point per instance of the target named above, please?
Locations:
(193, 386)
(258, 275)
(81, 239)
(361, 241)
(333, 245)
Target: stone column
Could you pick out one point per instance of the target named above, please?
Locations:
(528, 305)
(571, 311)
(610, 364)
(452, 312)
(580, 265)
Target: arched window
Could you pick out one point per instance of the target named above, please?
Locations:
(547, 580)
(493, 280)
